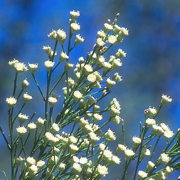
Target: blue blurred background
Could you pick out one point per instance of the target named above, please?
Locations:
(152, 66)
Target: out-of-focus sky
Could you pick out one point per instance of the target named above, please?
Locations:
(152, 65)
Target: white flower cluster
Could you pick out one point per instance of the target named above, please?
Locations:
(82, 152)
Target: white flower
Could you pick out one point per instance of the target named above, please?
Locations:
(150, 122)
(41, 121)
(120, 53)
(116, 119)
(11, 101)
(55, 127)
(53, 35)
(121, 148)
(151, 111)
(165, 99)
(116, 63)
(110, 136)
(11, 63)
(30, 160)
(27, 97)
(25, 84)
(52, 101)
(33, 169)
(31, 126)
(73, 148)
(164, 158)
(20, 67)
(124, 31)
(101, 34)
(40, 163)
(62, 166)
(77, 94)
(117, 77)
(102, 170)
(150, 165)
(142, 174)
(91, 78)
(157, 130)
(33, 67)
(129, 152)
(108, 27)
(136, 140)
(79, 39)
(115, 159)
(75, 27)
(21, 130)
(73, 139)
(74, 14)
(61, 35)
(110, 82)
(88, 68)
(76, 168)
(107, 65)
(63, 56)
(100, 42)
(48, 64)
(168, 134)
(93, 137)
(97, 116)
(102, 146)
(112, 39)
(146, 152)
(83, 160)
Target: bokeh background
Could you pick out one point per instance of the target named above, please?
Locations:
(151, 68)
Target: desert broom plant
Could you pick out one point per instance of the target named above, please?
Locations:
(73, 143)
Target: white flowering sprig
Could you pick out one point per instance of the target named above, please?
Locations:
(83, 152)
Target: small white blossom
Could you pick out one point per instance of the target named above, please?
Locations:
(21, 130)
(76, 168)
(150, 122)
(102, 170)
(164, 158)
(110, 135)
(120, 53)
(30, 160)
(121, 148)
(25, 83)
(27, 97)
(75, 27)
(40, 163)
(91, 78)
(79, 39)
(112, 39)
(63, 56)
(52, 101)
(74, 14)
(20, 67)
(77, 94)
(62, 166)
(108, 27)
(11, 101)
(40, 121)
(33, 67)
(48, 64)
(142, 174)
(124, 31)
(61, 35)
(129, 153)
(31, 126)
(136, 140)
(165, 99)
(100, 42)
